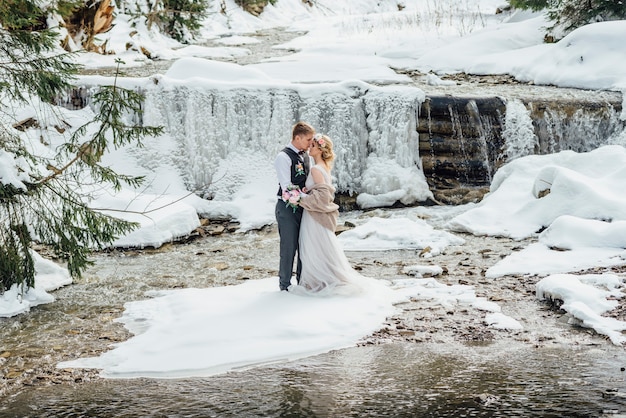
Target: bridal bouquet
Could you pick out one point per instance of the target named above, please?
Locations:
(291, 197)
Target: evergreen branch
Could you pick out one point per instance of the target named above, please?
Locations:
(115, 101)
(144, 212)
(53, 209)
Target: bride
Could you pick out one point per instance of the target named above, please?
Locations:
(325, 268)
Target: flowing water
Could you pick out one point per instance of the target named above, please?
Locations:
(393, 380)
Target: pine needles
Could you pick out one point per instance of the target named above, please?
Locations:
(46, 190)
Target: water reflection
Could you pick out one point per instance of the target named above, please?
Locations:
(386, 380)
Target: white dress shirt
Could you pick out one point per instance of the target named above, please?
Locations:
(282, 164)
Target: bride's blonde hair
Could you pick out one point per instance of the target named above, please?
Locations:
(326, 145)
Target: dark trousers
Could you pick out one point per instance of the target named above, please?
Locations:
(289, 232)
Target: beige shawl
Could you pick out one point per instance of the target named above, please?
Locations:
(319, 202)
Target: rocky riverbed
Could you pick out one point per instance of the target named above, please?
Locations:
(81, 322)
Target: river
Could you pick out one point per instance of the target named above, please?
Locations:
(428, 360)
(393, 380)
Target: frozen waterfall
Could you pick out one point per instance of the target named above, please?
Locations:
(220, 138)
(393, 143)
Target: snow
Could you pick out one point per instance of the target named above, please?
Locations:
(420, 271)
(380, 234)
(243, 325)
(586, 301)
(587, 185)
(161, 218)
(348, 47)
(12, 170)
(50, 276)
(188, 68)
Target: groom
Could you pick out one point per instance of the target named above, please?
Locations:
(292, 168)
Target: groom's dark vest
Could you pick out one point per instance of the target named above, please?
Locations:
(296, 179)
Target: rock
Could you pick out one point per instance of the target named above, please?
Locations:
(341, 228)
(503, 9)
(232, 226)
(346, 202)
(459, 195)
(543, 193)
(109, 336)
(14, 374)
(486, 399)
(215, 229)
(26, 124)
(220, 266)
(425, 250)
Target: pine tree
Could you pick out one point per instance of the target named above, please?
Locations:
(44, 190)
(571, 14)
(180, 19)
(530, 4)
(254, 7)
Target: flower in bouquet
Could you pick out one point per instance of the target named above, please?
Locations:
(291, 197)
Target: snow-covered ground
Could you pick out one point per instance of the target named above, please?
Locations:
(572, 202)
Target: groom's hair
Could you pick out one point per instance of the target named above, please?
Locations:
(301, 128)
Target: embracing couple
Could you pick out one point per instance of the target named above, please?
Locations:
(307, 217)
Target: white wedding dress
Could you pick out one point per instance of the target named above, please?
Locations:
(325, 268)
